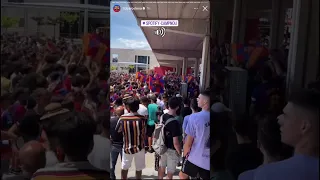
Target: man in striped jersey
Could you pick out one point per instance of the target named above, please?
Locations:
(132, 125)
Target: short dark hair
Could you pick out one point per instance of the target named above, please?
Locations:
(29, 126)
(72, 69)
(133, 104)
(75, 135)
(186, 101)
(244, 126)
(174, 102)
(119, 102)
(270, 138)
(206, 93)
(54, 76)
(194, 105)
(144, 99)
(31, 103)
(77, 81)
(153, 98)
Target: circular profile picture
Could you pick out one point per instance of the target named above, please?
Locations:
(116, 8)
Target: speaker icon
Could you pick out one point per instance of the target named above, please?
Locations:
(160, 32)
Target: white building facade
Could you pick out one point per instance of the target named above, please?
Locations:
(121, 59)
(91, 13)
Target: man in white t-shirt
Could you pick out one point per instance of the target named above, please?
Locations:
(143, 110)
(100, 154)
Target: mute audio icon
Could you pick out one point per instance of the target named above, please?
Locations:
(160, 32)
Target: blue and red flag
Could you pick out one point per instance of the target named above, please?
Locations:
(190, 78)
(141, 77)
(157, 84)
(150, 81)
(96, 47)
(240, 53)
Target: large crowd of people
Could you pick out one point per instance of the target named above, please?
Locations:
(63, 115)
(54, 110)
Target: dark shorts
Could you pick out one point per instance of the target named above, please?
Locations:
(150, 130)
(193, 171)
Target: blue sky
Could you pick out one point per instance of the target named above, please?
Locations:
(125, 32)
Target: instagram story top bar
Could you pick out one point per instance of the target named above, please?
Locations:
(160, 2)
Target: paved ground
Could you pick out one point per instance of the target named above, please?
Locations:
(148, 173)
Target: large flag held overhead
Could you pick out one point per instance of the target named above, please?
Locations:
(96, 47)
(141, 77)
(248, 55)
(156, 83)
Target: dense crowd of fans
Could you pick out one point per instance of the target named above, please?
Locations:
(57, 122)
(54, 111)
(138, 112)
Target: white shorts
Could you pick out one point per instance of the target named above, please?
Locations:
(139, 160)
(169, 160)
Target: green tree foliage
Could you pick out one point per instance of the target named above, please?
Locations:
(8, 22)
(114, 68)
(70, 19)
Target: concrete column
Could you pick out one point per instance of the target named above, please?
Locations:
(238, 21)
(184, 66)
(196, 67)
(178, 69)
(243, 21)
(26, 19)
(205, 63)
(303, 61)
(86, 18)
(277, 24)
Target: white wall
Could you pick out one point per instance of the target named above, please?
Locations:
(128, 55)
(30, 26)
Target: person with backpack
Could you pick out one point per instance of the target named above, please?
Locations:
(166, 140)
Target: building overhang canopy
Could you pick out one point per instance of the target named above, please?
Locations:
(69, 6)
(182, 41)
(166, 62)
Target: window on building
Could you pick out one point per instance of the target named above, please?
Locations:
(145, 60)
(115, 58)
(67, 30)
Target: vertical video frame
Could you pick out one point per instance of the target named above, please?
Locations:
(159, 89)
(55, 68)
